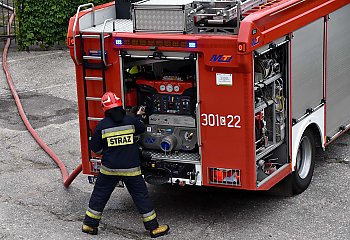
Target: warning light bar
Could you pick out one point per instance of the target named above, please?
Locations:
(158, 43)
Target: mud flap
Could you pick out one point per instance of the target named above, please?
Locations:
(283, 188)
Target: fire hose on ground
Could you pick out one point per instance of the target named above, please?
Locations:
(67, 179)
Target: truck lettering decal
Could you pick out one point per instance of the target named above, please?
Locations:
(216, 120)
(221, 58)
(255, 41)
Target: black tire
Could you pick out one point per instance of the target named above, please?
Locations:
(305, 163)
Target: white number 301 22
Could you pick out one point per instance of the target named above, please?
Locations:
(212, 120)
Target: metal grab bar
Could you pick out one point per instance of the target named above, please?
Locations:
(103, 40)
(198, 119)
(75, 25)
(6, 6)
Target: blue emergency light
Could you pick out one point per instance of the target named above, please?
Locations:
(192, 45)
(119, 42)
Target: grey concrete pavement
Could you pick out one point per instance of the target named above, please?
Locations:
(35, 205)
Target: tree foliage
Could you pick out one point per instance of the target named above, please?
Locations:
(44, 22)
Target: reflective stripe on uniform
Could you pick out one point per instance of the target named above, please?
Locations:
(116, 131)
(149, 216)
(93, 214)
(129, 172)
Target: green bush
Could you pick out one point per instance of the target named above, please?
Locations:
(44, 23)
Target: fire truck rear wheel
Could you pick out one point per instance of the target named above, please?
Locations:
(305, 162)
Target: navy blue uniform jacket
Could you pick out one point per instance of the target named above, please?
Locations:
(116, 140)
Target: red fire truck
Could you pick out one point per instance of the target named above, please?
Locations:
(238, 94)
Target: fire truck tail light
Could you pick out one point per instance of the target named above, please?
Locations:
(224, 176)
(70, 42)
(242, 47)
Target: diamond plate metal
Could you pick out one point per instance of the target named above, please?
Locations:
(163, 16)
(182, 157)
(160, 20)
(121, 25)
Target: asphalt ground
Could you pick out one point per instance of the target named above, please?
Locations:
(35, 205)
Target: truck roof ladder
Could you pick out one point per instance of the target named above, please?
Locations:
(94, 60)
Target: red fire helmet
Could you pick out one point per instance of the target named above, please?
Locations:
(110, 100)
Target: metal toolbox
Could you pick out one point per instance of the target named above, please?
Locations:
(162, 16)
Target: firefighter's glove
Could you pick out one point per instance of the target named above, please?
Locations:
(141, 112)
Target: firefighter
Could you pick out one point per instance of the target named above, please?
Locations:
(114, 139)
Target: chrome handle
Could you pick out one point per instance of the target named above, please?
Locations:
(103, 40)
(75, 25)
(198, 124)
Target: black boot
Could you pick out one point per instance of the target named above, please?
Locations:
(159, 231)
(89, 230)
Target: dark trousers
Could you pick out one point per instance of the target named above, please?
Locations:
(104, 186)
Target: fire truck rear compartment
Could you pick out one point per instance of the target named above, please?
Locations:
(164, 83)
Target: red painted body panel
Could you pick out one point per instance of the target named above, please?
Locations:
(283, 18)
(223, 146)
